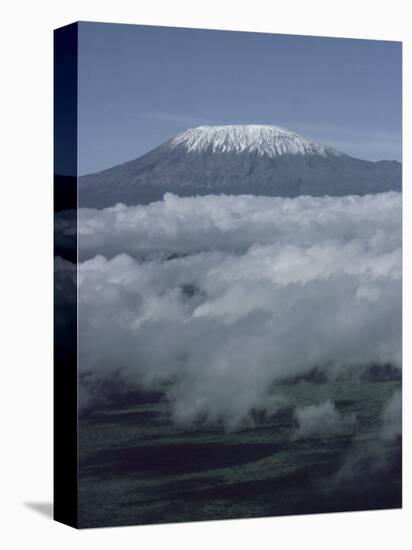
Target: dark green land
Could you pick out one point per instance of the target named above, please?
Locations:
(136, 467)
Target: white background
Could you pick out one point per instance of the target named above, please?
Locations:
(26, 270)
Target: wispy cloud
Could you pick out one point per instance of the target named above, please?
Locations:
(367, 144)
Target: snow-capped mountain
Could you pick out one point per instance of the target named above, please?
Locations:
(250, 159)
(271, 141)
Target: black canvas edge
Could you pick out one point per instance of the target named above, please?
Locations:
(65, 384)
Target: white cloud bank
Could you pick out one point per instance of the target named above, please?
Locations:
(259, 289)
(235, 223)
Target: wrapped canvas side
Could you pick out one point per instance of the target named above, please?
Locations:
(65, 275)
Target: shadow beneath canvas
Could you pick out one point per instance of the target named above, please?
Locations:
(45, 509)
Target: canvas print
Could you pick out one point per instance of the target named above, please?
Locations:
(228, 274)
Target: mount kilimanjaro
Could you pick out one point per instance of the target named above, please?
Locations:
(251, 159)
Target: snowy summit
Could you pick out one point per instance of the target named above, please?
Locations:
(253, 138)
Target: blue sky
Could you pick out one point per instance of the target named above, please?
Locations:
(141, 85)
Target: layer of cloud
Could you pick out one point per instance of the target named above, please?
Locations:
(235, 223)
(220, 298)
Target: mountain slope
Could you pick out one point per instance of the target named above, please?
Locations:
(252, 159)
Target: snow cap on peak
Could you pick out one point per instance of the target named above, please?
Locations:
(254, 138)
